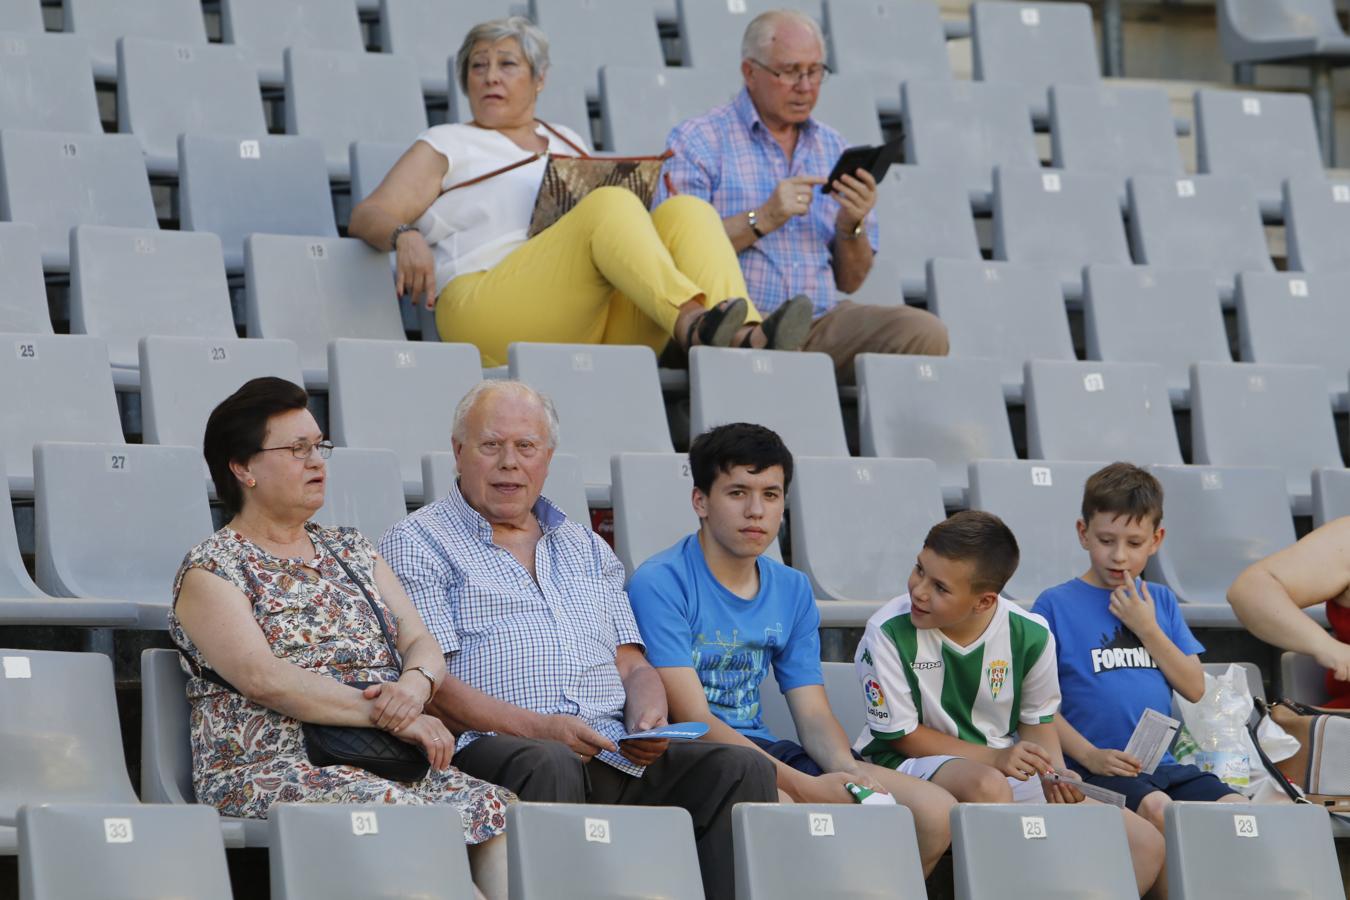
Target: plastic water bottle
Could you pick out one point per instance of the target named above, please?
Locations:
(1223, 749)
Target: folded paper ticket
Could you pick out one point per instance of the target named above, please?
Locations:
(1151, 738)
(1100, 794)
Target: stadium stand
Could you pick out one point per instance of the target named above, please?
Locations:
(21, 15)
(425, 32)
(639, 106)
(1317, 224)
(370, 162)
(1032, 46)
(651, 504)
(711, 32)
(845, 107)
(1295, 319)
(1303, 677)
(45, 83)
(23, 296)
(887, 42)
(584, 32)
(1330, 495)
(264, 29)
(842, 690)
(927, 215)
(564, 484)
(104, 24)
(364, 490)
(1112, 129)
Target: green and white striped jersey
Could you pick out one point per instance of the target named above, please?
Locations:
(918, 676)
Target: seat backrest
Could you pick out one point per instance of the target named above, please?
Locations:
(14, 579)
(712, 32)
(1330, 495)
(125, 850)
(47, 83)
(1033, 44)
(1302, 676)
(1039, 501)
(1245, 414)
(925, 214)
(1317, 224)
(793, 393)
(1254, 29)
(1040, 850)
(1296, 318)
(398, 395)
(57, 180)
(651, 504)
(841, 689)
(151, 509)
(846, 105)
(319, 851)
(1059, 219)
(601, 32)
(1151, 314)
(608, 400)
(947, 409)
(364, 490)
(59, 731)
(639, 106)
(1113, 129)
(166, 749)
(564, 485)
(166, 89)
(57, 388)
(576, 852)
(855, 522)
(215, 369)
(264, 29)
(315, 290)
(1262, 135)
(339, 97)
(1219, 521)
(998, 310)
(23, 292)
(1199, 220)
(424, 32)
(276, 184)
(1100, 411)
(1256, 850)
(968, 127)
(129, 282)
(22, 15)
(887, 42)
(793, 850)
(370, 162)
(102, 24)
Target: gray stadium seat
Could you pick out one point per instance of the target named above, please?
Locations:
(1219, 521)
(1039, 501)
(1199, 220)
(23, 294)
(841, 688)
(274, 184)
(370, 162)
(793, 393)
(925, 214)
(1059, 220)
(1264, 136)
(21, 15)
(340, 97)
(1114, 130)
(712, 32)
(888, 42)
(345, 852)
(1330, 495)
(1033, 45)
(997, 852)
(969, 128)
(125, 851)
(608, 400)
(564, 486)
(561, 102)
(858, 523)
(364, 490)
(639, 107)
(844, 105)
(398, 395)
(1302, 677)
(57, 388)
(1296, 318)
(102, 24)
(166, 89)
(1100, 412)
(1317, 224)
(151, 510)
(600, 33)
(1003, 311)
(1149, 314)
(947, 409)
(1245, 414)
(129, 282)
(265, 28)
(426, 32)
(568, 851)
(57, 180)
(314, 290)
(832, 851)
(1255, 850)
(47, 83)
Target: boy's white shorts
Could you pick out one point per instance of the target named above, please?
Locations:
(924, 767)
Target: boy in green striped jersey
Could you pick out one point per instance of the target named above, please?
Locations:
(961, 685)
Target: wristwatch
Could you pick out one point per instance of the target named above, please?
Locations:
(399, 230)
(856, 232)
(753, 218)
(431, 678)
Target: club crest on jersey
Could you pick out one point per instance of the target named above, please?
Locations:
(998, 674)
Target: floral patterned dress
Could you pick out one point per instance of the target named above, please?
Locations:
(246, 757)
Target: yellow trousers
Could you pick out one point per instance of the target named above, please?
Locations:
(608, 272)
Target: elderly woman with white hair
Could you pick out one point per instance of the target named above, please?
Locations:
(606, 272)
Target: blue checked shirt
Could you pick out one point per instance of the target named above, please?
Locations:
(547, 646)
(729, 158)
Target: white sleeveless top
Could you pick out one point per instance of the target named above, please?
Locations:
(474, 228)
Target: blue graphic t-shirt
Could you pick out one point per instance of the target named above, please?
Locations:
(1106, 677)
(687, 618)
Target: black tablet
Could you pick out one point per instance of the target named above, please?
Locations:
(874, 159)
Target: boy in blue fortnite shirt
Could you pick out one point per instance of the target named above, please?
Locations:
(714, 613)
(1124, 647)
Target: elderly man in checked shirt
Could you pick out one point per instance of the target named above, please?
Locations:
(761, 160)
(546, 664)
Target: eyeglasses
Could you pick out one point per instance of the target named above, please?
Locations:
(814, 75)
(304, 449)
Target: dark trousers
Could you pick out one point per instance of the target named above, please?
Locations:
(707, 780)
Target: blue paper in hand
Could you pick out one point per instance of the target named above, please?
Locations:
(679, 731)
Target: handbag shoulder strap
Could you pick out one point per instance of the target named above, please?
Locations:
(518, 163)
(365, 592)
(1260, 709)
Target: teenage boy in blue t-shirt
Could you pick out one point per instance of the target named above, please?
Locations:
(1124, 647)
(715, 613)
